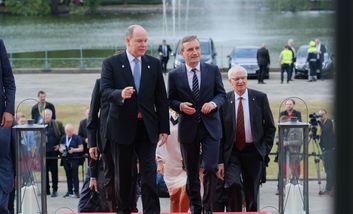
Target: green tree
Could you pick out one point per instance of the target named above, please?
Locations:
(28, 7)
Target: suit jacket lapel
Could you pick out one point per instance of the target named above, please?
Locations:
(232, 104)
(184, 80)
(203, 78)
(125, 67)
(145, 68)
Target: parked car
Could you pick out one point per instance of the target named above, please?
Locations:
(302, 67)
(208, 54)
(246, 57)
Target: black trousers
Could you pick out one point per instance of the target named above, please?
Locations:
(52, 167)
(164, 61)
(125, 173)
(209, 160)
(243, 173)
(71, 171)
(262, 72)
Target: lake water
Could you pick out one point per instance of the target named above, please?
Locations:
(229, 23)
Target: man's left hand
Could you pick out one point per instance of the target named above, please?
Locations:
(163, 138)
(207, 107)
(7, 120)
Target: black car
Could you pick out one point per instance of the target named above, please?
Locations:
(302, 67)
(208, 54)
(246, 57)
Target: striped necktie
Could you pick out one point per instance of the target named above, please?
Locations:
(195, 86)
(196, 93)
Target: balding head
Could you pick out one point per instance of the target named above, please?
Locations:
(69, 130)
(136, 40)
(48, 115)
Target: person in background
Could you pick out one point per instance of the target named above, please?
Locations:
(38, 109)
(290, 112)
(82, 132)
(170, 166)
(263, 60)
(164, 51)
(312, 60)
(321, 50)
(285, 59)
(53, 132)
(70, 147)
(248, 134)
(328, 148)
(7, 108)
(290, 44)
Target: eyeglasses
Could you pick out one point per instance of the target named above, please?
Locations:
(239, 78)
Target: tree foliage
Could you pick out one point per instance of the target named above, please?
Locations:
(28, 7)
(288, 5)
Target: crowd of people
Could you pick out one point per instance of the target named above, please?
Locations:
(212, 147)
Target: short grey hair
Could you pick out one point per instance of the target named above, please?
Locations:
(48, 110)
(130, 30)
(187, 39)
(235, 69)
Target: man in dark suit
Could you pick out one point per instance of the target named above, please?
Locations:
(321, 49)
(38, 109)
(164, 51)
(248, 133)
(7, 107)
(263, 60)
(133, 84)
(196, 92)
(97, 143)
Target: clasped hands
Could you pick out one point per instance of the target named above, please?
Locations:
(189, 109)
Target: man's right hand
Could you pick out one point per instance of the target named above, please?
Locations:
(187, 108)
(127, 92)
(220, 172)
(93, 153)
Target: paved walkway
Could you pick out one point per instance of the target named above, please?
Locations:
(268, 200)
(77, 88)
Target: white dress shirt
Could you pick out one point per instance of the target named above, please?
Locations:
(247, 124)
(191, 74)
(132, 63)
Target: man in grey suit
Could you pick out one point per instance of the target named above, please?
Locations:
(138, 117)
(248, 133)
(7, 106)
(196, 92)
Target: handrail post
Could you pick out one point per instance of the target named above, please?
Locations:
(81, 58)
(46, 63)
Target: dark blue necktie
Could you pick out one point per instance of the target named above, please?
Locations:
(195, 86)
(137, 74)
(196, 93)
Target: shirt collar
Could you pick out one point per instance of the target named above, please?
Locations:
(244, 96)
(131, 57)
(188, 68)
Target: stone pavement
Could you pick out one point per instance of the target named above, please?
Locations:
(268, 200)
(77, 88)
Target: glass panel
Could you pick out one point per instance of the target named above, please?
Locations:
(30, 166)
(293, 170)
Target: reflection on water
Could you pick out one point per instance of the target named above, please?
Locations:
(230, 23)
